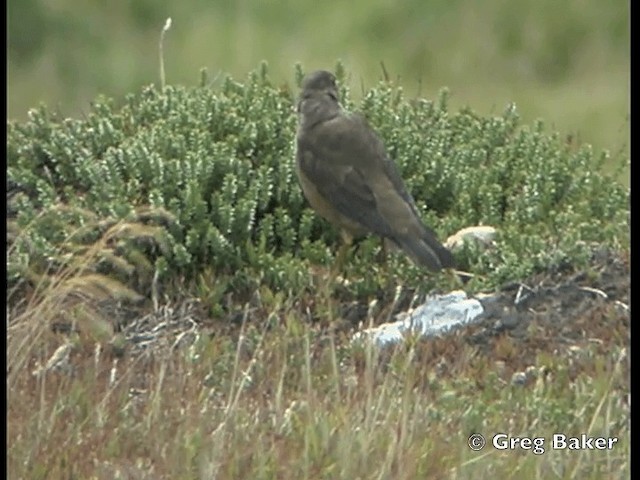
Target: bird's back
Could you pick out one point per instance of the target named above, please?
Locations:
(348, 177)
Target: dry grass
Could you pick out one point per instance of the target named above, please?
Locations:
(279, 397)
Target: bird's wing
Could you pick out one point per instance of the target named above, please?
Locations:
(345, 159)
(348, 165)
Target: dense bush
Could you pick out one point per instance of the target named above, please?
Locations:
(202, 181)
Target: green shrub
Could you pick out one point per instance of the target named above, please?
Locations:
(204, 179)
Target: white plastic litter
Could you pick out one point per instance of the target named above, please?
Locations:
(437, 316)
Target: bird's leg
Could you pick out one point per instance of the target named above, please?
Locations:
(327, 286)
(386, 247)
(341, 256)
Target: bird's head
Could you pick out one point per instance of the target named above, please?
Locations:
(319, 97)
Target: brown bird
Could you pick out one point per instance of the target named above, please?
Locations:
(349, 179)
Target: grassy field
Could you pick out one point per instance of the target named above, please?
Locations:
(249, 371)
(279, 397)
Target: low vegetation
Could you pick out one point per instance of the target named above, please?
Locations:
(175, 216)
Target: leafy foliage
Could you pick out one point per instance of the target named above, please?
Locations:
(203, 180)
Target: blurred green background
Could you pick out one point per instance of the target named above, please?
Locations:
(566, 61)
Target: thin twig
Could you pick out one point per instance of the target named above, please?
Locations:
(167, 26)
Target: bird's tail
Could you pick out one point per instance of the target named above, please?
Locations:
(426, 250)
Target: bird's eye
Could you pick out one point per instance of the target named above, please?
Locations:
(333, 96)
